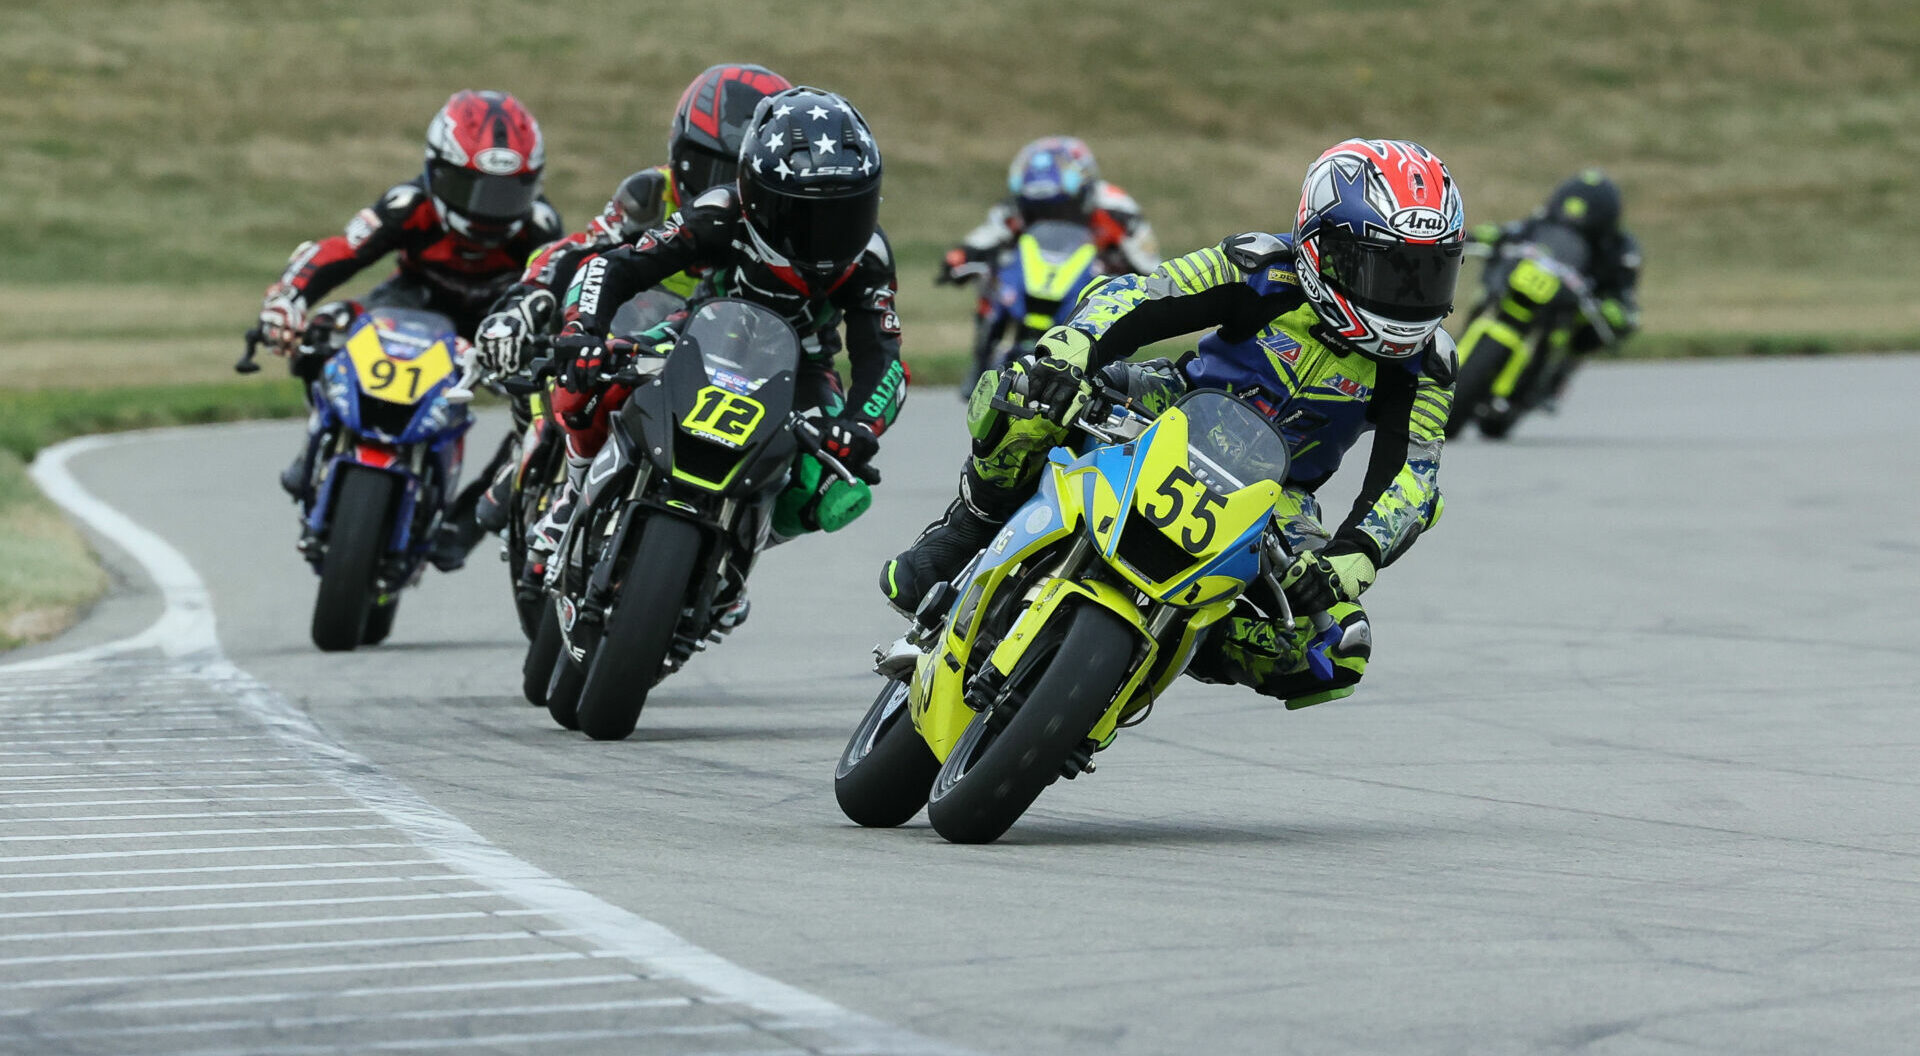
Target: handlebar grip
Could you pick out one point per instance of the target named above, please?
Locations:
(245, 364)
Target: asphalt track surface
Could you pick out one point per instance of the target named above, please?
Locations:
(1634, 770)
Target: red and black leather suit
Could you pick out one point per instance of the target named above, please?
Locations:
(438, 271)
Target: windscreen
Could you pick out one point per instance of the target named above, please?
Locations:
(743, 345)
(408, 331)
(1059, 238)
(1230, 445)
(647, 309)
(1561, 243)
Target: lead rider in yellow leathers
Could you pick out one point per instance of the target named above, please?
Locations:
(1331, 330)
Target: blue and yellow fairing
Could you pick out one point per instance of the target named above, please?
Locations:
(1173, 539)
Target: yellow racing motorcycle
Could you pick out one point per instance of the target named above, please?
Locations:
(1076, 617)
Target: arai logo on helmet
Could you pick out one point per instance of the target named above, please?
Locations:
(1419, 222)
(498, 161)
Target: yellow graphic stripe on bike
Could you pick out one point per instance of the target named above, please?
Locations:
(396, 379)
(1052, 282)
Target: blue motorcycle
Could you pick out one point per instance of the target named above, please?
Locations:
(1034, 286)
(383, 463)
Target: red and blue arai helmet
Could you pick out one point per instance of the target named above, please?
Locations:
(1378, 241)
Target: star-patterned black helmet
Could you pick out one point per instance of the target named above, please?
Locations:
(810, 184)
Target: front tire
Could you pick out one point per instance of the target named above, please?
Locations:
(639, 629)
(886, 771)
(380, 620)
(992, 776)
(1473, 390)
(357, 538)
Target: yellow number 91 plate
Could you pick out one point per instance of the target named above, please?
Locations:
(393, 378)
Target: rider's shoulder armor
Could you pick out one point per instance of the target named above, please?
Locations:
(878, 254)
(1441, 362)
(1254, 251)
(400, 202)
(543, 223)
(641, 199)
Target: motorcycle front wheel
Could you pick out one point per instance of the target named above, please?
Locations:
(1473, 389)
(994, 774)
(536, 671)
(886, 771)
(640, 628)
(355, 540)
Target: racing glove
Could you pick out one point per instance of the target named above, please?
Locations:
(1353, 573)
(851, 441)
(500, 344)
(1055, 373)
(1309, 584)
(1620, 316)
(283, 318)
(586, 358)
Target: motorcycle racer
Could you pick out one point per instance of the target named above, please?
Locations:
(459, 230)
(1057, 178)
(1331, 330)
(1589, 203)
(797, 231)
(703, 149)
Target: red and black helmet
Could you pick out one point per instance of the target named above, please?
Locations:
(484, 159)
(703, 148)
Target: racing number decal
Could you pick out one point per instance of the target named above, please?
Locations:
(1534, 282)
(382, 373)
(1196, 520)
(726, 416)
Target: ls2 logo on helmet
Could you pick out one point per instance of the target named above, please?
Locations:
(1419, 222)
(498, 161)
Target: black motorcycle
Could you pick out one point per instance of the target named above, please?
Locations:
(674, 511)
(1545, 278)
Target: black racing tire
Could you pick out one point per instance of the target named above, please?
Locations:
(886, 771)
(536, 671)
(1473, 389)
(361, 525)
(640, 628)
(380, 620)
(991, 778)
(569, 674)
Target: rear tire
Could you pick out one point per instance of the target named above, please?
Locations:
(536, 671)
(358, 536)
(639, 629)
(991, 778)
(886, 771)
(563, 689)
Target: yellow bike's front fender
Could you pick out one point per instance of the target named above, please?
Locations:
(941, 714)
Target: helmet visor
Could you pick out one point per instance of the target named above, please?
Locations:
(1408, 281)
(697, 171)
(821, 235)
(481, 195)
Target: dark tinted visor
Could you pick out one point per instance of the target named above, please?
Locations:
(478, 194)
(697, 171)
(821, 235)
(1408, 281)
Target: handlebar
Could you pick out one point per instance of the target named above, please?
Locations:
(1097, 420)
(809, 438)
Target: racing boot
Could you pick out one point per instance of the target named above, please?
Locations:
(1252, 650)
(938, 555)
(491, 512)
(551, 528)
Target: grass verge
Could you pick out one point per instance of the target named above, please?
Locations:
(47, 574)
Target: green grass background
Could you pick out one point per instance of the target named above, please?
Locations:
(160, 158)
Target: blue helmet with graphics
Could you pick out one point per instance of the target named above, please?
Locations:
(1051, 178)
(810, 185)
